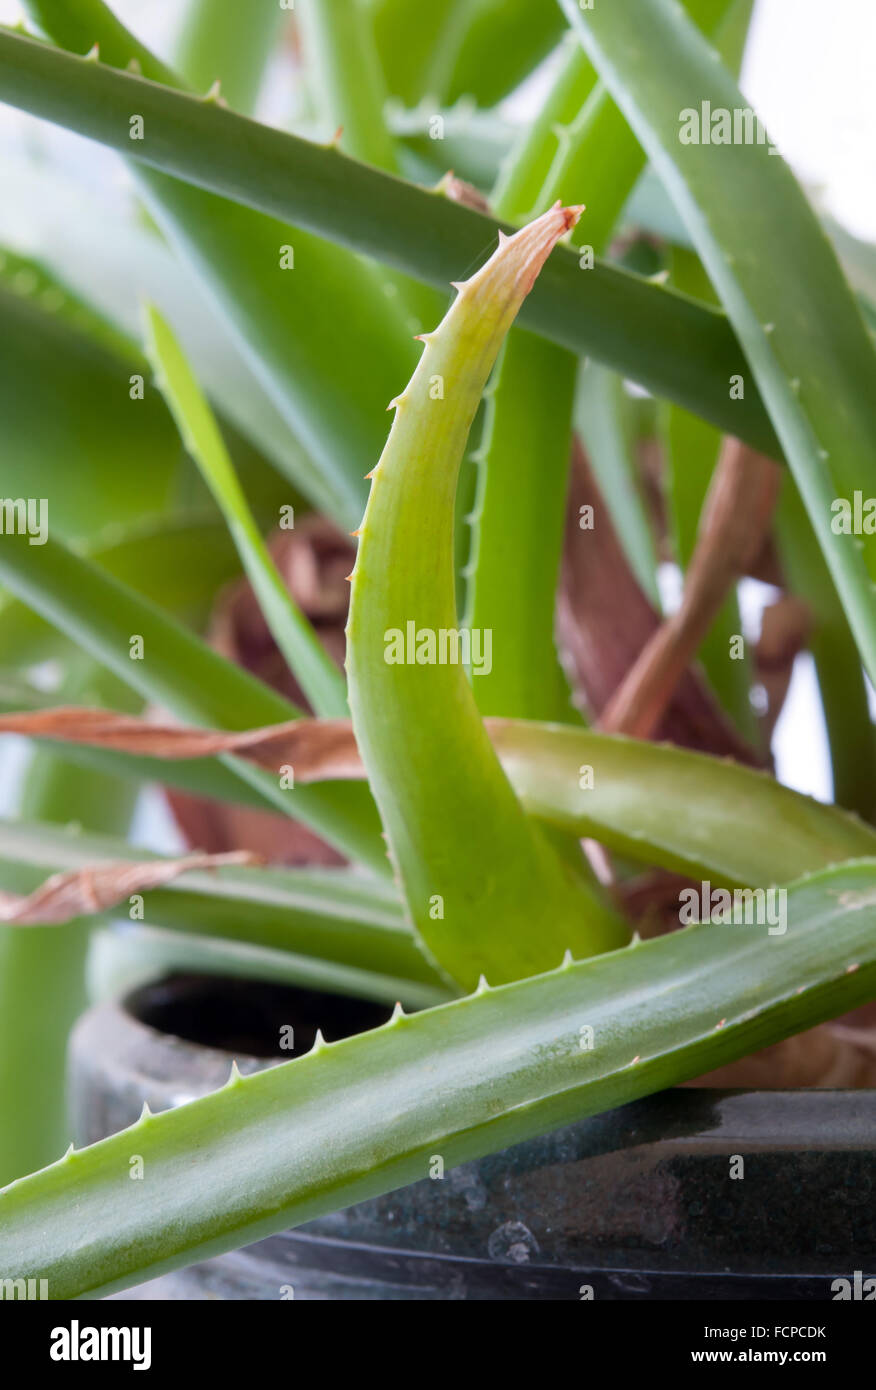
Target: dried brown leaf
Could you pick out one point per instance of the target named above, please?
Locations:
(736, 518)
(605, 621)
(84, 892)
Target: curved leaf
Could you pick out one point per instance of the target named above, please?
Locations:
(483, 887)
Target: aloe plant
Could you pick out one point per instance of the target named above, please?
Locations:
(492, 831)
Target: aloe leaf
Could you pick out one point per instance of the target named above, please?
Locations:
(600, 153)
(655, 803)
(674, 347)
(179, 562)
(664, 805)
(495, 45)
(812, 358)
(322, 915)
(316, 673)
(42, 972)
(121, 960)
(473, 142)
(66, 415)
(519, 520)
(281, 290)
(605, 415)
(343, 69)
(220, 42)
(112, 259)
(851, 734)
(518, 524)
(406, 36)
(476, 876)
(182, 674)
(522, 171)
(354, 1119)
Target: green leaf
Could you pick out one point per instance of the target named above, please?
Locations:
(672, 346)
(652, 802)
(281, 290)
(406, 36)
(684, 811)
(307, 659)
(851, 734)
(66, 417)
(42, 972)
(355, 1119)
(524, 167)
(484, 889)
(691, 449)
(774, 269)
(183, 675)
(518, 525)
(220, 41)
(179, 562)
(122, 960)
(322, 915)
(605, 415)
(495, 45)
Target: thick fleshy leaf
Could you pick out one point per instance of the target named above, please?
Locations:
(653, 802)
(777, 275)
(484, 888)
(362, 1116)
(668, 343)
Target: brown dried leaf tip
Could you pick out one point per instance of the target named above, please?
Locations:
(83, 892)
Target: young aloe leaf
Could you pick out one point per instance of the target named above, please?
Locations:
(673, 346)
(354, 1119)
(308, 661)
(179, 672)
(477, 877)
(775, 271)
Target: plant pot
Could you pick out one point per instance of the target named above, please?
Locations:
(636, 1203)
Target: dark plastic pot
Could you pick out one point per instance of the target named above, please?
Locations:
(637, 1203)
